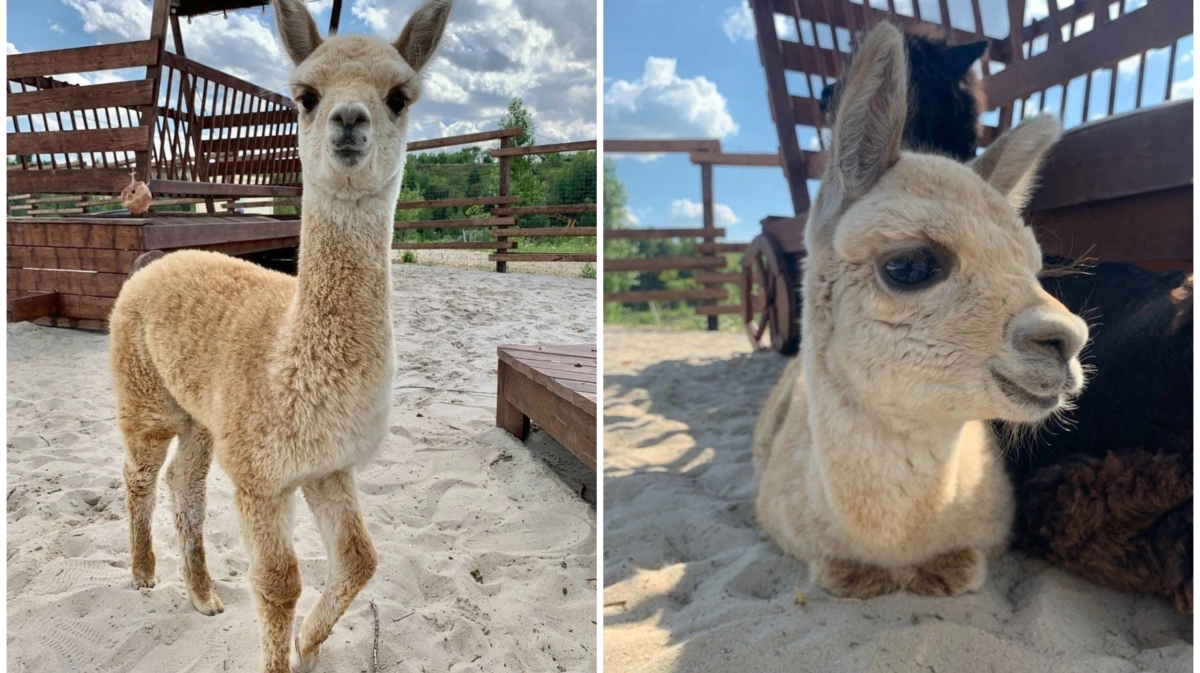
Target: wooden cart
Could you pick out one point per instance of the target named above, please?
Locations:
(1118, 188)
(194, 134)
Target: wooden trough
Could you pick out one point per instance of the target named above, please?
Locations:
(553, 386)
(1115, 189)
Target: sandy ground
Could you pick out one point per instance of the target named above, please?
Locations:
(478, 260)
(448, 495)
(691, 585)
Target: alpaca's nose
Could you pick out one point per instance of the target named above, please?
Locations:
(350, 119)
(1043, 333)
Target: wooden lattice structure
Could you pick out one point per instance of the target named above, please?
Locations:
(1118, 188)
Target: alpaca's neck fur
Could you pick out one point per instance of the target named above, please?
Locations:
(886, 473)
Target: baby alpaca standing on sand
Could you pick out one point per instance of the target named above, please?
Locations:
(287, 380)
(922, 317)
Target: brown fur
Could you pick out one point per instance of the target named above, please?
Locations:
(287, 381)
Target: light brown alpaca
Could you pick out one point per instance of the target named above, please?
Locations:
(923, 318)
(287, 380)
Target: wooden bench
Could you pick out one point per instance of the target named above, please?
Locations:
(555, 387)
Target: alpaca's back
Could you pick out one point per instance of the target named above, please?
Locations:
(194, 319)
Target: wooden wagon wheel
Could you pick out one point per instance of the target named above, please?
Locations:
(768, 268)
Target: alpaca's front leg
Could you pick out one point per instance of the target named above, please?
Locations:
(956, 572)
(851, 579)
(352, 559)
(274, 573)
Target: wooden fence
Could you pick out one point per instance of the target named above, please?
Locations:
(709, 266)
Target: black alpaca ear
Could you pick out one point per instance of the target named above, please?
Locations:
(827, 95)
(963, 56)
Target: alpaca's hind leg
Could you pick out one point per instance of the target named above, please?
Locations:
(352, 559)
(274, 574)
(851, 579)
(950, 574)
(186, 476)
(145, 451)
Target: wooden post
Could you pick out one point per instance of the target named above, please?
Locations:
(148, 114)
(706, 197)
(506, 141)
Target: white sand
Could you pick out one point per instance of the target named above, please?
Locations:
(691, 585)
(448, 494)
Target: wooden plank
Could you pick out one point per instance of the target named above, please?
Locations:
(660, 146)
(547, 210)
(720, 248)
(544, 379)
(1142, 228)
(170, 236)
(32, 306)
(85, 307)
(65, 234)
(737, 159)
(794, 169)
(582, 145)
(454, 245)
(1158, 24)
(1146, 150)
(533, 232)
(646, 234)
(581, 352)
(457, 224)
(85, 259)
(82, 59)
(712, 278)
(466, 139)
(508, 415)
(191, 67)
(720, 309)
(663, 264)
(236, 248)
(91, 97)
(73, 323)
(96, 140)
(256, 143)
(458, 203)
(76, 181)
(638, 296)
(543, 257)
(90, 283)
(559, 408)
(185, 188)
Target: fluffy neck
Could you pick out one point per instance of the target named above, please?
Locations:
(885, 475)
(344, 275)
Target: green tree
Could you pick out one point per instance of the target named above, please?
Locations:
(616, 216)
(517, 117)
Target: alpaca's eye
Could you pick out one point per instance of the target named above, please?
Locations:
(308, 100)
(396, 102)
(912, 269)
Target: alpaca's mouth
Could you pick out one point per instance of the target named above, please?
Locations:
(1021, 395)
(350, 157)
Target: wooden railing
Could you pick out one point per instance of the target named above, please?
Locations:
(709, 265)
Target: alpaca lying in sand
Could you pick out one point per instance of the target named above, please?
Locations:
(286, 380)
(1109, 495)
(922, 317)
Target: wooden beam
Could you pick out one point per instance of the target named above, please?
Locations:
(81, 181)
(83, 59)
(647, 234)
(580, 146)
(638, 296)
(481, 222)
(663, 264)
(455, 245)
(794, 169)
(543, 257)
(660, 146)
(91, 97)
(63, 142)
(530, 232)
(466, 139)
(185, 188)
(458, 203)
(737, 159)
(547, 210)
(31, 306)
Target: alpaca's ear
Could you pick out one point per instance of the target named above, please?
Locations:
(960, 58)
(871, 109)
(421, 34)
(1010, 164)
(297, 29)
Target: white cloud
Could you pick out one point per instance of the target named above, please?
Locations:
(57, 28)
(12, 49)
(661, 104)
(1181, 89)
(686, 211)
(738, 24)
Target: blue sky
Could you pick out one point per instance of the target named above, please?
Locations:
(541, 50)
(682, 69)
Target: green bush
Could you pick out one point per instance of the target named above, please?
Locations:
(589, 271)
(409, 257)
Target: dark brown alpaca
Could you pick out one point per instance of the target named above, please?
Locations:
(943, 89)
(1109, 496)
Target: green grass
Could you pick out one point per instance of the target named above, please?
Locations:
(564, 244)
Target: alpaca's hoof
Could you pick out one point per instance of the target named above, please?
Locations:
(208, 606)
(303, 663)
(143, 580)
(849, 579)
(1182, 598)
(950, 574)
